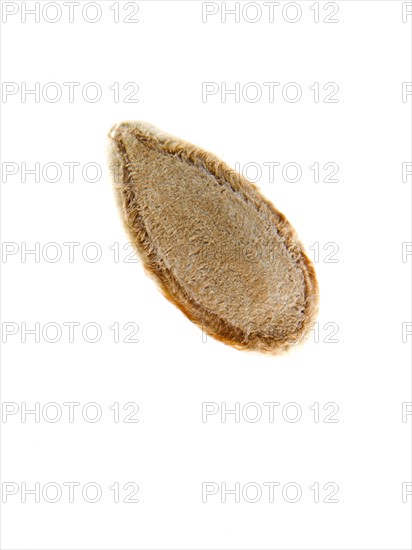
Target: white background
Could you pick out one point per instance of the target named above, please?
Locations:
(173, 368)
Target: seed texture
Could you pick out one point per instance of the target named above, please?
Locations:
(216, 247)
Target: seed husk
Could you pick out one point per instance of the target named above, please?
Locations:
(216, 247)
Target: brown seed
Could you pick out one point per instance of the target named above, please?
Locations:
(217, 248)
